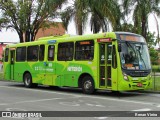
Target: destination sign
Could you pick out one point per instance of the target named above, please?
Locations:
(128, 37)
(85, 43)
(104, 40)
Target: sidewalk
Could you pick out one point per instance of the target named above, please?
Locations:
(156, 73)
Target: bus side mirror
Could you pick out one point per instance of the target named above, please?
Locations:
(119, 47)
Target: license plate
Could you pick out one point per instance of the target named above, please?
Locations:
(139, 84)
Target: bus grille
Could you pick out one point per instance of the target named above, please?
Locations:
(138, 74)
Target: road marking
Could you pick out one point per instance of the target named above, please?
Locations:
(15, 109)
(144, 109)
(35, 90)
(101, 118)
(69, 103)
(158, 106)
(122, 100)
(39, 100)
(3, 104)
(85, 96)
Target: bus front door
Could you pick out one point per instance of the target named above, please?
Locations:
(105, 52)
(12, 60)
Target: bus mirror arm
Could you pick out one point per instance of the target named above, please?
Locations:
(119, 47)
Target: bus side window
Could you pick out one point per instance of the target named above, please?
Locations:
(20, 54)
(50, 52)
(69, 51)
(6, 55)
(41, 52)
(65, 51)
(84, 50)
(32, 53)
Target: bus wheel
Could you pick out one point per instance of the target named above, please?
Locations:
(88, 85)
(28, 80)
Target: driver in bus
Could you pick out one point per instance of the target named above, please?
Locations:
(129, 57)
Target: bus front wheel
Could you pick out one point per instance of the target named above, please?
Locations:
(28, 80)
(88, 85)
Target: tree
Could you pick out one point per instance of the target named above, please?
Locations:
(78, 12)
(141, 11)
(154, 56)
(127, 27)
(158, 35)
(26, 17)
(102, 14)
(151, 39)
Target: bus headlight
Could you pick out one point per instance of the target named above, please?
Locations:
(125, 76)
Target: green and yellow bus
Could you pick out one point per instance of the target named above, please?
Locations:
(116, 61)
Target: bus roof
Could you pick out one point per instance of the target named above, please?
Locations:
(67, 38)
(45, 40)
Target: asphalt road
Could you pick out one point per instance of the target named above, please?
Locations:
(72, 104)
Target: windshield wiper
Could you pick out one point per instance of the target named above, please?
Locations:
(141, 56)
(129, 45)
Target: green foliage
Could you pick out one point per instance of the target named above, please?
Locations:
(101, 12)
(141, 11)
(1, 76)
(127, 27)
(26, 17)
(156, 68)
(151, 40)
(79, 12)
(154, 56)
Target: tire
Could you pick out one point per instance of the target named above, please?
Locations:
(88, 85)
(28, 81)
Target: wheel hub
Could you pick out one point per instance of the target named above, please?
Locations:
(88, 85)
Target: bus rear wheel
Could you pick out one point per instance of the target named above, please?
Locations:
(88, 85)
(28, 81)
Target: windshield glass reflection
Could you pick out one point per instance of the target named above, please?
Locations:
(135, 56)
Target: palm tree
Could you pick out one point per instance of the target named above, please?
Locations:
(158, 36)
(78, 12)
(142, 9)
(102, 14)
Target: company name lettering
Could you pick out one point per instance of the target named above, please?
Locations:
(76, 69)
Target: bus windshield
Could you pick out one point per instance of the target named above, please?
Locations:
(135, 56)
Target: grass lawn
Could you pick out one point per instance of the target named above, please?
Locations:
(156, 83)
(1, 76)
(155, 68)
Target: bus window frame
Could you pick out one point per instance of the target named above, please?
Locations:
(64, 56)
(6, 58)
(17, 55)
(53, 57)
(114, 57)
(31, 55)
(39, 52)
(84, 51)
